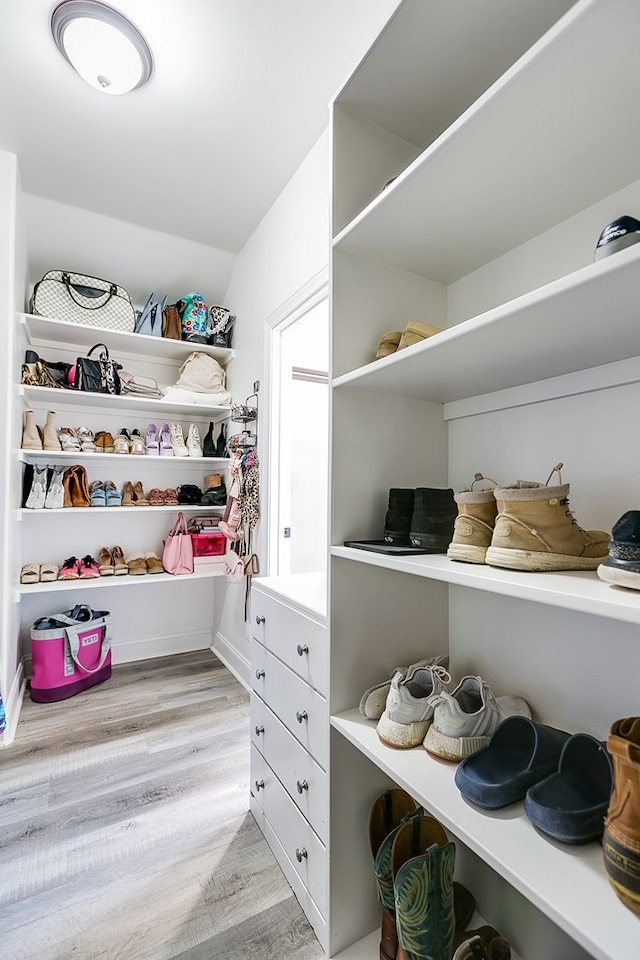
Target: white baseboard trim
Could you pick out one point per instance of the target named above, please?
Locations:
(233, 661)
(13, 706)
(145, 648)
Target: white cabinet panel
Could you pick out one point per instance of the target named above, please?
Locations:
(298, 640)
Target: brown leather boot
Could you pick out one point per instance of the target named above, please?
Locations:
(536, 530)
(473, 527)
(621, 840)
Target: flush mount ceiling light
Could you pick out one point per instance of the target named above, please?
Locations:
(102, 45)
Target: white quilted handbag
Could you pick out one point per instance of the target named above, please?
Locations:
(76, 298)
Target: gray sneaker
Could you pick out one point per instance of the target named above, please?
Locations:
(464, 720)
(374, 699)
(409, 709)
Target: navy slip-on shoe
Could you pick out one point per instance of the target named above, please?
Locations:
(519, 754)
(571, 804)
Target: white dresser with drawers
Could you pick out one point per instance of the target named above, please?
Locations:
(290, 732)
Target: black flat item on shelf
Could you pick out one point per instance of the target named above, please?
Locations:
(379, 546)
(188, 493)
(208, 446)
(221, 442)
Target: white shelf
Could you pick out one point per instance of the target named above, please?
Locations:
(72, 456)
(571, 590)
(45, 332)
(510, 345)
(56, 399)
(490, 182)
(567, 883)
(127, 580)
(175, 508)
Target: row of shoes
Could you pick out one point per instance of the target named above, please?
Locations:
(111, 561)
(168, 440)
(423, 919)
(525, 525)
(54, 487)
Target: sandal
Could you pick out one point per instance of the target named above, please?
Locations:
(87, 439)
(49, 572)
(127, 494)
(166, 447)
(137, 443)
(156, 498)
(119, 563)
(106, 565)
(30, 573)
(69, 439)
(170, 497)
(153, 445)
(97, 494)
(113, 498)
(121, 444)
(139, 498)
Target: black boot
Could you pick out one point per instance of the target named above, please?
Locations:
(397, 522)
(221, 443)
(434, 513)
(208, 446)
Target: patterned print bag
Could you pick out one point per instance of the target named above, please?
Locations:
(77, 298)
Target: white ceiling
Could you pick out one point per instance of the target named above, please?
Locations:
(239, 95)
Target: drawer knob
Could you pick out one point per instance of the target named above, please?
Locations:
(302, 785)
(259, 730)
(301, 854)
(301, 715)
(259, 784)
(302, 649)
(259, 674)
(260, 620)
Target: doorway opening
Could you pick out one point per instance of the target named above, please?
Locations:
(300, 439)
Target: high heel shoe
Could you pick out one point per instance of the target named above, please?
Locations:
(153, 445)
(127, 494)
(166, 447)
(139, 498)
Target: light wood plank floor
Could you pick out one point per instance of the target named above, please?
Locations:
(125, 831)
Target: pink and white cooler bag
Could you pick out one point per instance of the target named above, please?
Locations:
(70, 652)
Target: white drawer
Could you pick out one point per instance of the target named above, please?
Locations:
(260, 775)
(302, 710)
(304, 780)
(296, 638)
(305, 851)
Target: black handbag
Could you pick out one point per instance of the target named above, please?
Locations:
(98, 375)
(188, 493)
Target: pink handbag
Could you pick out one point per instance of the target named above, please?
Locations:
(177, 556)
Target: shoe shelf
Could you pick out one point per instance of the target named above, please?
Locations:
(62, 456)
(44, 332)
(572, 590)
(58, 399)
(509, 345)
(567, 883)
(162, 508)
(475, 192)
(97, 583)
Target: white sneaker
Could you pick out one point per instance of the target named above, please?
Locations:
(194, 444)
(409, 710)
(464, 720)
(177, 441)
(374, 699)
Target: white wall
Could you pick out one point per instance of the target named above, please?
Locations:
(286, 251)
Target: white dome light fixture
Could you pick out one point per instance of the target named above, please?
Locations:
(102, 45)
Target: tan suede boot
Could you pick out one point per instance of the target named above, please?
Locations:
(536, 530)
(473, 527)
(31, 439)
(621, 840)
(416, 332)
(50, 433)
